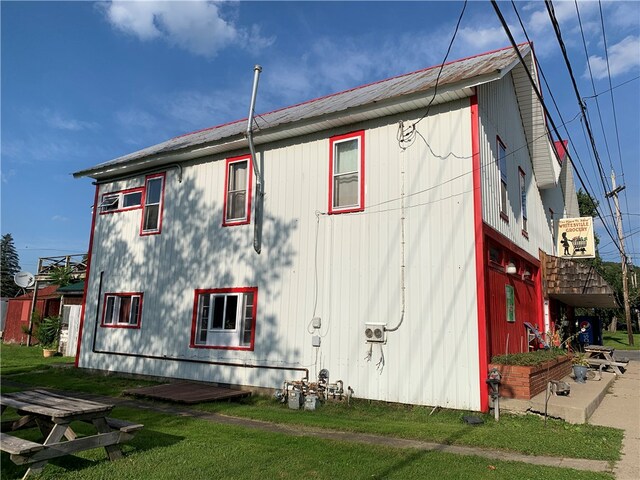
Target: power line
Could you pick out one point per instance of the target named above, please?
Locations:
(563, 49)
(593, 83)
(408, 134)
(555, 104)
(612, 88)
(539, 96)
(613, 107)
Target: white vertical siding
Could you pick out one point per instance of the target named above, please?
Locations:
(431, 359)
(500, 117)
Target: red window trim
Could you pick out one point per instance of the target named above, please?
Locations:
(503, 215)
(158, 231)
(247, 219)
(523, 175)
(194, 318)
(121, 325)
(360, 135)
(122, 193)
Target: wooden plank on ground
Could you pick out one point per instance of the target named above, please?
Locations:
(188, 392)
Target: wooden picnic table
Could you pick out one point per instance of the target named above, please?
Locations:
(598, 355)
(53, 414)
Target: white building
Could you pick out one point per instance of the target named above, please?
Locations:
(382, 205)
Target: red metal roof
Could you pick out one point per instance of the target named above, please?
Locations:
(43, 293)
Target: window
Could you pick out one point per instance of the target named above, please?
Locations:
(224, 318)
(237, 195)
(346, 173)
(552, 225)
(153, 204)
(502, 166)
(495, 255)
(523, 200)
(120, 201)
(123, 310)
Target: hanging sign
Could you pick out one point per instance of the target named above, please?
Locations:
(575, 238)
(511, 303)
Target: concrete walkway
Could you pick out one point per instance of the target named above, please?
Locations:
(620, 408)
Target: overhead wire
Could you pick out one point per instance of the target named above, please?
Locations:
(408, 134)
(563, 49)
(555, 104)
(507, 30)
(593, 84)
(613, 108)
(612, 88)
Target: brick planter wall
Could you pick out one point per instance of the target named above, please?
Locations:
(525, 382)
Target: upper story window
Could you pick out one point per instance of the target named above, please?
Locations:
(237, 191)
(153, 204)
(502, 166)
(552, 226)
(122, 310)
(121, 201)
(225, 318)
(346, 173)
(523, 200)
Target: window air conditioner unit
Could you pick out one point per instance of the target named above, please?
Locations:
(375, 333)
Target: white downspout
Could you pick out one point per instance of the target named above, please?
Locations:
(257, 229)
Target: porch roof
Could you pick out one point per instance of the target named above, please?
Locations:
(576, 284)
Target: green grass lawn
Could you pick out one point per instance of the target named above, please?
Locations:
(182, 447)
(172, 447)
(620, 340)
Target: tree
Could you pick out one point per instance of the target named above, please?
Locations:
(9, 266)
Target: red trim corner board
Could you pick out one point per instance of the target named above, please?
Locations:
(483, 362)
(87, 276)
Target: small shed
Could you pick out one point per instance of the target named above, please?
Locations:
(19, 308)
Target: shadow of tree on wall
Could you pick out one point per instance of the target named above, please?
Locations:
(192, 252)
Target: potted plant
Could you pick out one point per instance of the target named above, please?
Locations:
(48, 335)
(580, 367)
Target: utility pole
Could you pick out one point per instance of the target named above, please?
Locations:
(623, 257)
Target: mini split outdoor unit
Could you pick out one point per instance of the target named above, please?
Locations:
(375, 333)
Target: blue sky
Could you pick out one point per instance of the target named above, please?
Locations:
(84, 82)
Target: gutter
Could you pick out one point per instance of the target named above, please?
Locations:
(259, 196)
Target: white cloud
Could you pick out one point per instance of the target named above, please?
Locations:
(195, 26)
(6, 175)
(623, 57)
(58, 121)
(484, 39)
(134, 118)
(59, 218)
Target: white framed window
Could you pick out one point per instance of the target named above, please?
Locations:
(153, 204)
(237, 191)
(502, 167)
(523, 200)
(224, 318)
(120, 201)
(346, 173)
(122, 310)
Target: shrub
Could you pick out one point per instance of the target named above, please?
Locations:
(48, 333)
(537, 357)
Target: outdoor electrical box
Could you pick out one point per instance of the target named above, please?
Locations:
(296, 399)
(316, 322)
(375, 332)
(310, 402)
(315, 341)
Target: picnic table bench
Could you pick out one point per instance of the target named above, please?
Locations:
(52, 414)
(598, 355)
